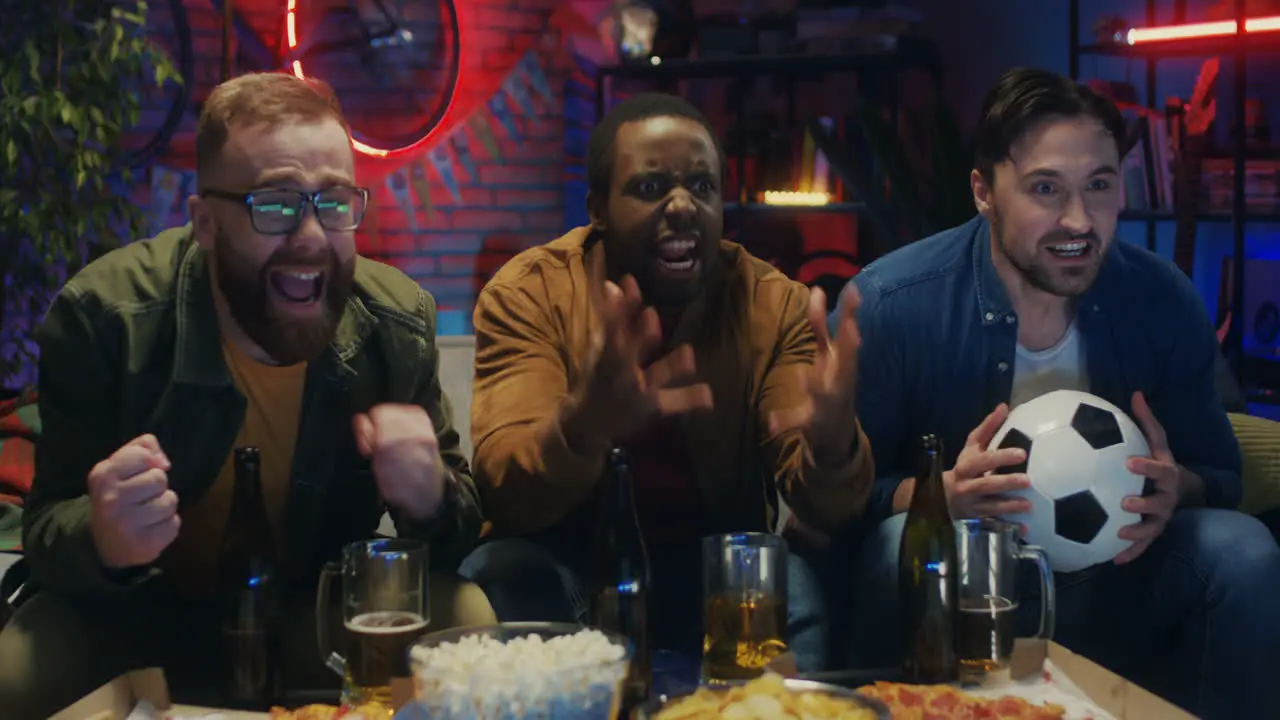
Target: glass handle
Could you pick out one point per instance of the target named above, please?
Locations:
(328, 655)
(1047, 600)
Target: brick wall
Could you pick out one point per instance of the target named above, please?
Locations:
(522, 198)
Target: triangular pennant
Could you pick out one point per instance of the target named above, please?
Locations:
(444, 166)
(531, 68)
(479, 125)
(399, 187)
(370, 226)
(519, 92)
(421, 188)
(498, 106)
(462, 148)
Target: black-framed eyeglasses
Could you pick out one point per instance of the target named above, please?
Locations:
(276, 211)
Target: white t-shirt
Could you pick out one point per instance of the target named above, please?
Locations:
(1061, 367)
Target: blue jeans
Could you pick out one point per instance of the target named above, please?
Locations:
(1193, 619)
(529, 581)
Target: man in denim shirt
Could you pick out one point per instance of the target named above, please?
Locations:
(1033, 295)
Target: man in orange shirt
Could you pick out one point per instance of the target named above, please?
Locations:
(647, 330)
(257, 325)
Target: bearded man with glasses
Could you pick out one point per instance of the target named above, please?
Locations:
(256, 325)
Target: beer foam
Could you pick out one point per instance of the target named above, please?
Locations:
(377, 623)
(573, 676)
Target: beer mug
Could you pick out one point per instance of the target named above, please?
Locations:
(384, 610)
(744, 580)
(988, 553)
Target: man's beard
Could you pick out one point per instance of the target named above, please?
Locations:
(288, 340)
(1066, 282)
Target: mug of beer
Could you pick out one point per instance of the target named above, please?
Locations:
(744, 581)
(384, 610)
(988, 553)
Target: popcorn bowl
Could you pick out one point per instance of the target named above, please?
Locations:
(520, 671)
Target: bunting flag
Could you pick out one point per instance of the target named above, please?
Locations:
(462, 148)
(520, 93)
(399, 188)
(165, 186)
(498, 106)
(531, 70)
(444, 166)
(479, 125)
(421, 188)
(370, 225)
(410, 185)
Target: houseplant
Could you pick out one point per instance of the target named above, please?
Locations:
(70, 90)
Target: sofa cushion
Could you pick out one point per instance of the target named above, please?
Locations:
(1260, 449)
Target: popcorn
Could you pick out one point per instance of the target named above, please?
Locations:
(575, 676)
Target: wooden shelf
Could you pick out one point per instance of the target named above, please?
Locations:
(909, 53)
(1159, 215)
(835, 207)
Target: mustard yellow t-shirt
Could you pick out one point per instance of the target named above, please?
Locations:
(274, 395)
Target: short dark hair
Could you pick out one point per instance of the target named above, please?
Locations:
(600, 150)
(1023, 97)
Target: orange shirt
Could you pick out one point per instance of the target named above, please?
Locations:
(274, 404)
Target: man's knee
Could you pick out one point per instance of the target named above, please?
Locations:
(1234, 552)
(458, 603)
(808, 621)
(523, 581)
(51, 655)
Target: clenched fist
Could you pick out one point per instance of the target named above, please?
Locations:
(134, 513)
(404, 454)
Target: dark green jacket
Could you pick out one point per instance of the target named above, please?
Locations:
(131, 346)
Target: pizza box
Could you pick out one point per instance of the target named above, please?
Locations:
(144, 695)
(1044, 671)
(141, 695)
(1111, 693)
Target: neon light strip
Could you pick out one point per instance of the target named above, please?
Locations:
(1220, 28)
(291, 37)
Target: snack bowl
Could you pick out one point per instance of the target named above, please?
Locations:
(653, 709)
(519, 671)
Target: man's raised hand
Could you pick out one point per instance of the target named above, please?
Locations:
(134, 514)
(623, 391)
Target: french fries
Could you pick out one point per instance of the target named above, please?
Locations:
(765, 698)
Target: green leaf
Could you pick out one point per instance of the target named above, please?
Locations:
(11, 152)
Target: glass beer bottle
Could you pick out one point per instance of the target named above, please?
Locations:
(247, 587)
(620, 588)
(927, 576)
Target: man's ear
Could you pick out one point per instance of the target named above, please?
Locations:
(204, 226)
(982, 193)
(597, 210)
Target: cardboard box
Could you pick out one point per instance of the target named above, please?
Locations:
(118, 698)
(1119, 697)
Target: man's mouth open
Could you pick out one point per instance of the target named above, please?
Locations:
(1071, 250)
(677, 256)
(298, 288)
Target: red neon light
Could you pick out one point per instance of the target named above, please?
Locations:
(291, 37)
(1220, 28)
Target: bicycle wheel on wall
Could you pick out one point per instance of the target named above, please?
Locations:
(393, 64)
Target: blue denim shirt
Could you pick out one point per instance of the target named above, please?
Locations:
(939, 338)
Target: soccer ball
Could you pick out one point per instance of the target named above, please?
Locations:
(1077, 445)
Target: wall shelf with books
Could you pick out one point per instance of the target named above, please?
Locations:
(1177, 177)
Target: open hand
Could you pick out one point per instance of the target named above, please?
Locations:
(828, 415)
(977, 487)
(623, 392)
(134, 514)
(400, 443)
(1164, 487)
